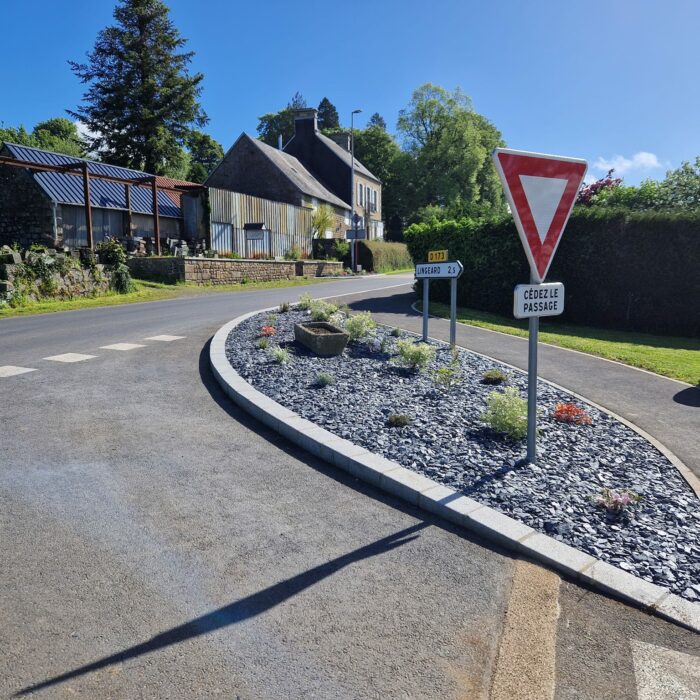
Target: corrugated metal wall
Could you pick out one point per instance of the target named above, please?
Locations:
(289, 225)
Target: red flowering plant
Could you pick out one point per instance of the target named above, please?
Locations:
(571, 413)
(587, 193)
(267, 331)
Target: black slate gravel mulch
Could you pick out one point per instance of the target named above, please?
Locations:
(658, 541)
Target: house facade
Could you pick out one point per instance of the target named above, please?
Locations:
(330, 161)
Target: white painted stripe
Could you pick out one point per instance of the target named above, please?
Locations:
(11, 370)
(166, 338)
(70, 357)
(122, 346)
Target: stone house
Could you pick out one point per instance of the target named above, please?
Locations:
(251, 167)
(49, 207)
(330, 162)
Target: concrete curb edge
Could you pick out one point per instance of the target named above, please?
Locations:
(442, 501)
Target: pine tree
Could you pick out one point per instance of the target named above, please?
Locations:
(327, 115)
(377, 120)
(141, 102)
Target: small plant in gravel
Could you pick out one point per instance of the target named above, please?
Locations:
(494, 376)
(284, 307)
(416, 356)
(324, 379)
(272, 318)
(321, 310)
(447, 377)
(507, 413)
(571, 413)
(280, 355)
(305, 301)
(398, 420)
(617, 501)
(262, 343)
(268, 331)
(396, 332)
(360, 325)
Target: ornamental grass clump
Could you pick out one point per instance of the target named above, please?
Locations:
(396, 332)
(398, 420)
(284, 307)
(416, 356)
(324, 379)
(616, 501)
(507, 413)
(262, 343)
(494, 376)
(305, 301)
(571, 413)
(360, 325)
(280, 355)
(321, 310)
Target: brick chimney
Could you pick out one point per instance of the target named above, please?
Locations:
(342, 139)
(305, 121)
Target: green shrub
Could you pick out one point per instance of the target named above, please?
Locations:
(494, 376)
(417, 356)
(305, 301)
(605, 260)
(396, 332)
(262, 343)
(293, 253)
(360, 325)
(321, 310)
(324, 379)
(111, 252)
(121, 279)
(447, 377)
(398, 420)
(341, 248)
(280, 355)
(284, 307)
(507, 413)
(383, 256)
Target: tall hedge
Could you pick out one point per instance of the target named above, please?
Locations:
(383, 256)
(637, 271)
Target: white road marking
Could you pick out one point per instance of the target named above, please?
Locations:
(11, 370)
(665, 674)
(70, 357)
(166, 338)
(122, 346)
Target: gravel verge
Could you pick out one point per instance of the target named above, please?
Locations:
(448, 442)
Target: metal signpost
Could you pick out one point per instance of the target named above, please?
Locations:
(442, 270)
(541, 190)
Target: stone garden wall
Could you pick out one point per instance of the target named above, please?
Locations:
(223, 271)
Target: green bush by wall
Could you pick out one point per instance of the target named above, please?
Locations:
(383, 256)
(637, 271)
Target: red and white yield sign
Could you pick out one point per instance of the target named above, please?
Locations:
(541, 191)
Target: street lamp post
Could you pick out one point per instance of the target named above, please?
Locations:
(353, 221)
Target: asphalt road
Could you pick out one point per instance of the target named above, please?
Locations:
(158, 543)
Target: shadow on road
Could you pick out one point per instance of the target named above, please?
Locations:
(241, 610)
(689, 397)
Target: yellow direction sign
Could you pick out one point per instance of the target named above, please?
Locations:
(437, 256)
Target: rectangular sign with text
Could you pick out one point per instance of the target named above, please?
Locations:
(437, 256)
(538, 300)
(444, 270)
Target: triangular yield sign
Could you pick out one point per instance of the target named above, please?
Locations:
(541, 190)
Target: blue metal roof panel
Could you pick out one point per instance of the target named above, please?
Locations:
(68, 189)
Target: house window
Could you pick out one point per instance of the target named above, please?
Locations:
(360, 189)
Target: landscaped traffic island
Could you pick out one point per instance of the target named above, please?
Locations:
(459, 419)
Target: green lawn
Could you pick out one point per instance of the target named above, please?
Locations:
(678, 358)
(147, 291)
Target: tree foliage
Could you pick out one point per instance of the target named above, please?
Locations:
(451, 147)
(57, 134)
(272, 125)
(141, 102)
(377, 120)
(327, 115)
(205, 153)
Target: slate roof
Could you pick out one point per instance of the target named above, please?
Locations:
(68, 189)
(345, 156)
(298, 174)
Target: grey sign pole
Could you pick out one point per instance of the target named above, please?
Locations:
(534, 328)
(426, 296)
(453, 312)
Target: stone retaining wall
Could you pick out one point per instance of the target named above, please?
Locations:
(224, 271)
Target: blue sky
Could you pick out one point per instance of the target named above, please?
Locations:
(611, 81)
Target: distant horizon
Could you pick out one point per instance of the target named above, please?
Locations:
(618, 90)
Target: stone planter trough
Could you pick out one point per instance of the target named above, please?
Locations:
(321, 338)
